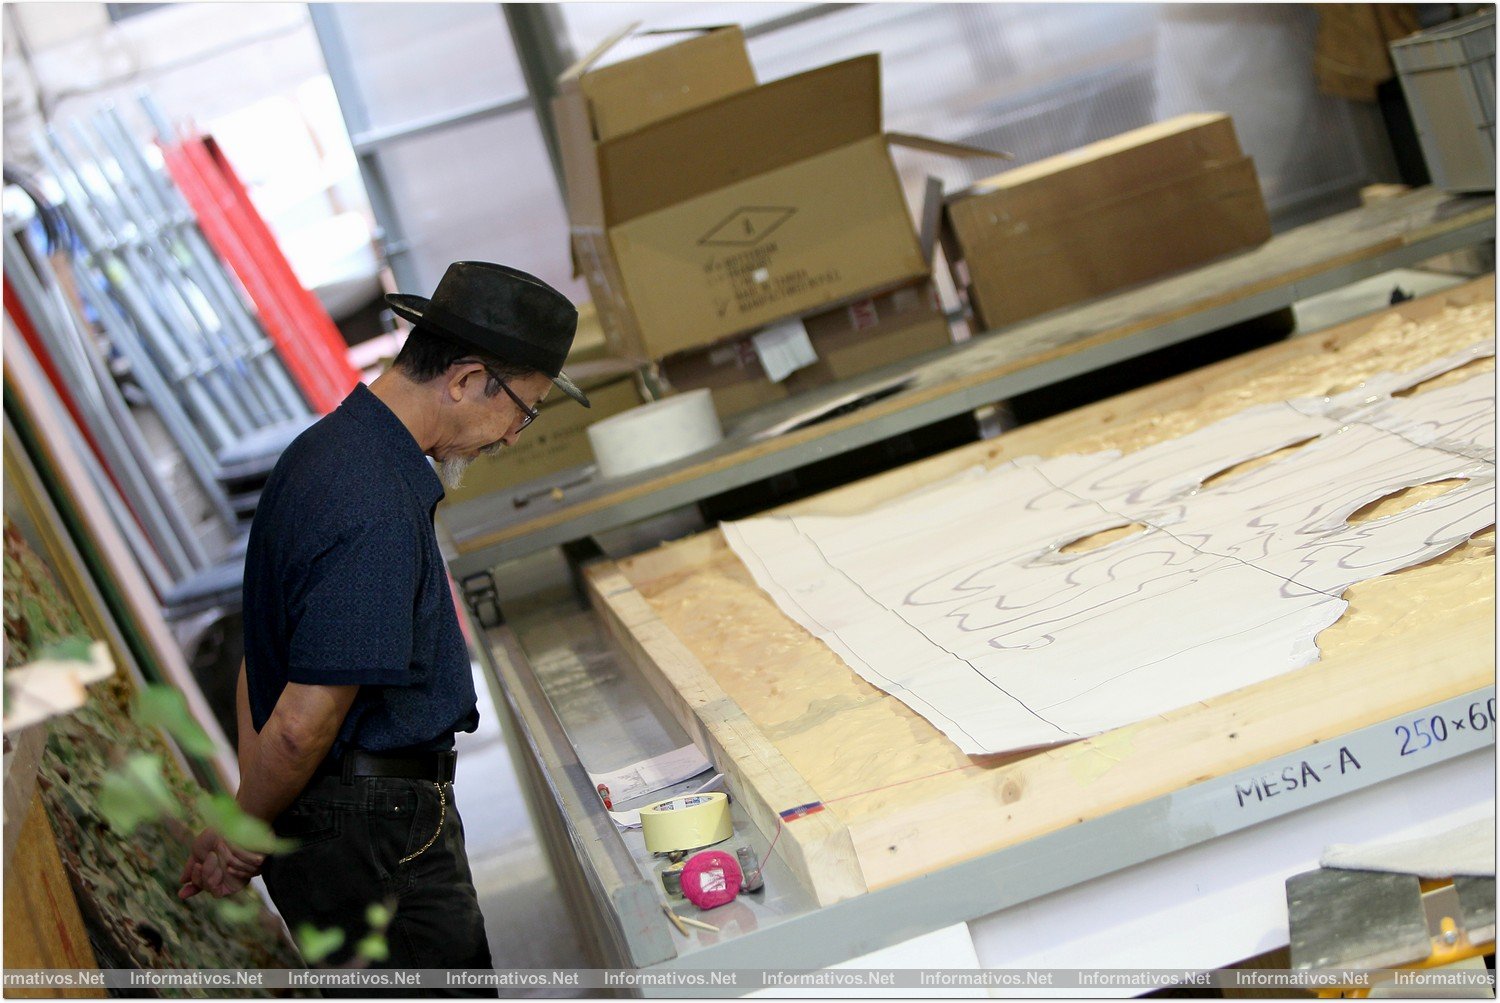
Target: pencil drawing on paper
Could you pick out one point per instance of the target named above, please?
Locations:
(971, 602)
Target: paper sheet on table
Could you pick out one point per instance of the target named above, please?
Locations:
(651, 775)
(971, 604)
(636, 781)
(784, 349)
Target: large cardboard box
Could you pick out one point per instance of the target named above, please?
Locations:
(736, 210)
(558, 439)
(1122, 211)
(849, 340)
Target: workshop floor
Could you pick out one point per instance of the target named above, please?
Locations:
(525, 918)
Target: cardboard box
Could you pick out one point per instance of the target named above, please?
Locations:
(850, 340)
(1123, 211)
(625, 96)
(732, 373)
(558, 439)
(589, 344)
(762, 203)
(871, 333)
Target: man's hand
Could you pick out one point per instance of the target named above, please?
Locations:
(218, 867)
(275, 765)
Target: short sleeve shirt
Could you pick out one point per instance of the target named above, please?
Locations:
(344, 584)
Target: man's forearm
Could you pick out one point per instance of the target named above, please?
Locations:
(245, 733)
(278, 771)
(288, 749)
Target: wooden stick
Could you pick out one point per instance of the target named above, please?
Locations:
(676, 920)
(690, 921)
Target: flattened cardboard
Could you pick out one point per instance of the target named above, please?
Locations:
(851, 339)
(606, 285)
(1017, 270)
(570, 115)
(1125, 210)
(1128, 162)
(730, 371)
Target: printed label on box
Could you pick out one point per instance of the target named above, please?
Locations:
(784, 349)
(863, 315)
(748, 281)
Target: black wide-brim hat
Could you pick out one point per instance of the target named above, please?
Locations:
(503, 312)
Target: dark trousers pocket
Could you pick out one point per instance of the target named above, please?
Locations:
(310, 824)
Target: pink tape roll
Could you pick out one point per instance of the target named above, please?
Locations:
(711, 878)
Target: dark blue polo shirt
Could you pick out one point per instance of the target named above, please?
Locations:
(344, 584)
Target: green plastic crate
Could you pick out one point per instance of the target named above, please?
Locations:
(1448, 74)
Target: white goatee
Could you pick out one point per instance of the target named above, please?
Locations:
(451, 471)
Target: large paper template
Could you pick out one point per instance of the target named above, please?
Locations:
(960, 600)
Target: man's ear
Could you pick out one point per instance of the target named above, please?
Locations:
(459, 376)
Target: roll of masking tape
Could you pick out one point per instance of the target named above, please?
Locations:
(653, 434)
(687, 822)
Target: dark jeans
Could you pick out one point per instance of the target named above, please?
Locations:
(353, 839)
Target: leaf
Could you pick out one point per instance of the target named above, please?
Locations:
(137, 792)
(316, 944)
(373, 948)
(378, 916)
(225, 816)
(68, 649)
(238, 911)
(121, 805)
(166, 708)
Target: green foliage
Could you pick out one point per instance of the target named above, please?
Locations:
(36, 613)
(137, 792)
(378, 916)
(224, 815)
(240, 909)
(124, 873)
(373, 948)
(69, 649)
(316, 944)
(166, 708)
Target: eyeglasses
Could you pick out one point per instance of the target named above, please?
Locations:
(529, 412)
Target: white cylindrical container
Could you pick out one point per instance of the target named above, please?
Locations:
(653, 434)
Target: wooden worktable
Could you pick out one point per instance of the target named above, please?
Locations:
(792, 724)
(1294, 265)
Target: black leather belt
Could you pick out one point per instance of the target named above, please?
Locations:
(434, 766)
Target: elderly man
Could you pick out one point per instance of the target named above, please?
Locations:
(356, 675)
